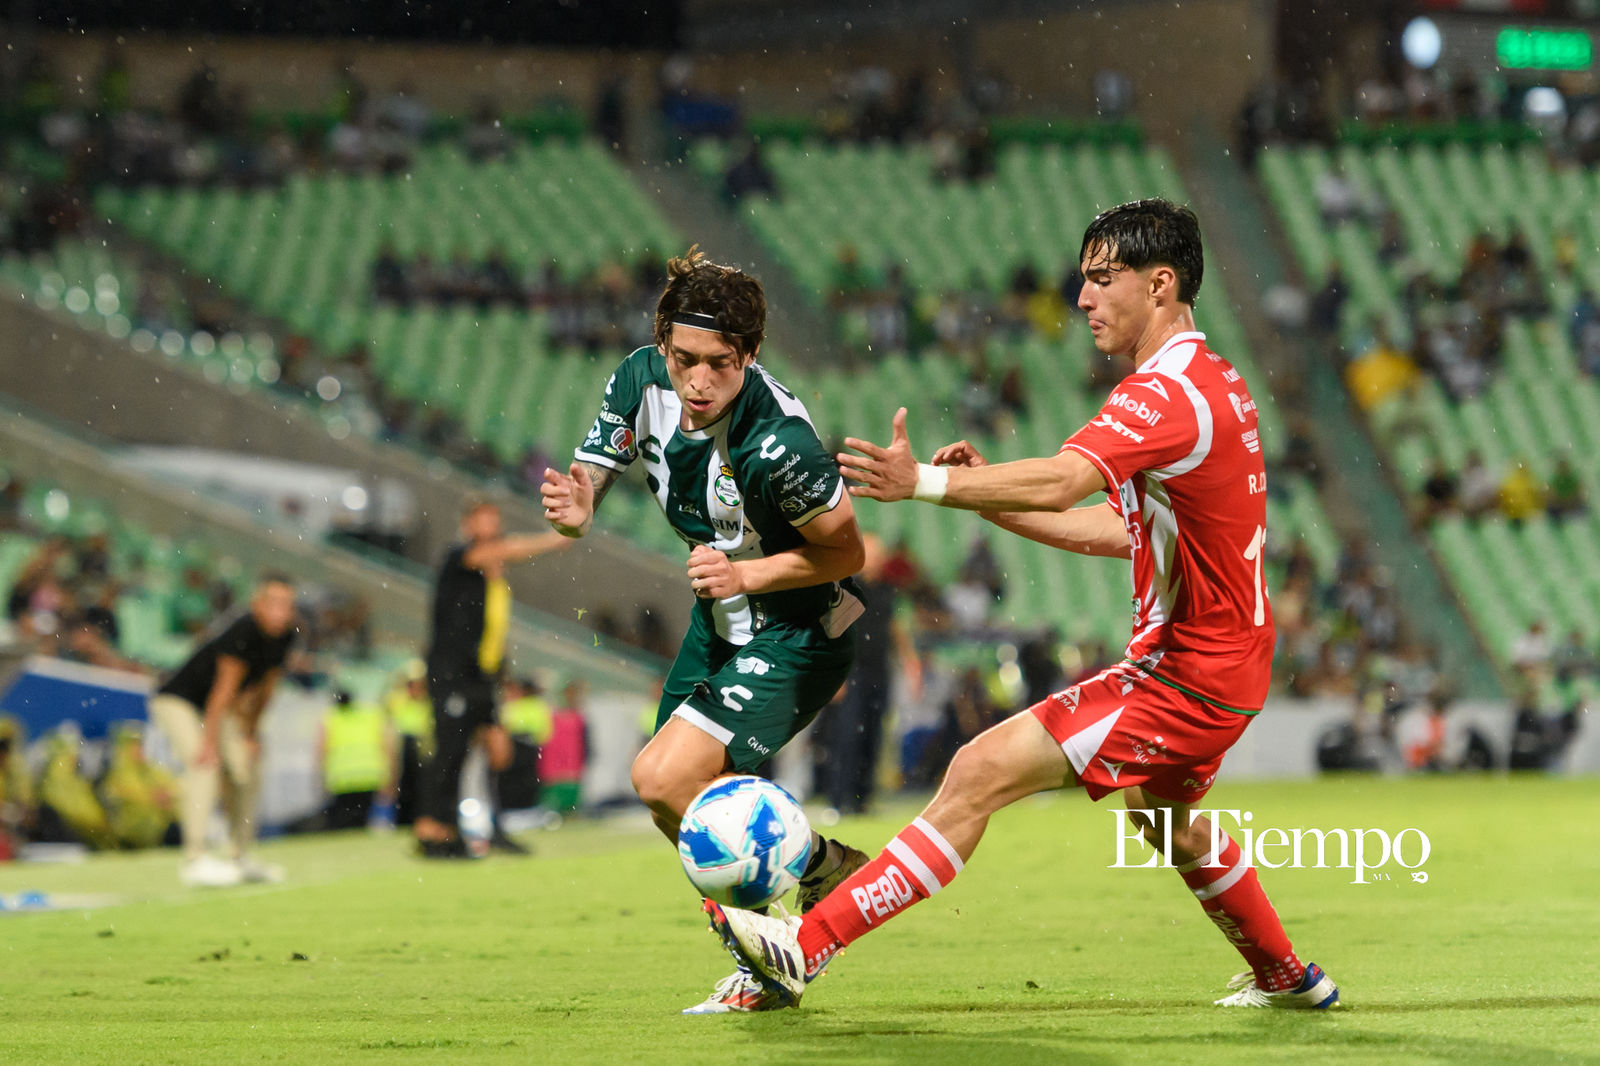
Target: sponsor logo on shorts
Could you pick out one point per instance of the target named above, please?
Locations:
(881, 898)
(762, 748)
(749, 664)
(1113, 768)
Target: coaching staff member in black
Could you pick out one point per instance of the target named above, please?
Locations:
(471, 617)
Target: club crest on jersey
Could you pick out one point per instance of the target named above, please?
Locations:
(622, 441)
(725, 490)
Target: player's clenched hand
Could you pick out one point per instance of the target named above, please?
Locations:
(961, 453)
(884, 473)
(568, 499)
(712, 574)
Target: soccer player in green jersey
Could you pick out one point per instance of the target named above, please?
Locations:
(733, 460)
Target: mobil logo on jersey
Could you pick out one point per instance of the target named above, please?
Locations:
(1135, 407)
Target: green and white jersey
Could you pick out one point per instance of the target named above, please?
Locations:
(743, 485)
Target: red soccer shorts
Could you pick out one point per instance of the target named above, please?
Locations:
(1122, 727)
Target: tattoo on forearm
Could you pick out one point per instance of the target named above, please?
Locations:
(602, 478)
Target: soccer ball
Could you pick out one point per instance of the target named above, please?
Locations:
(744, 842)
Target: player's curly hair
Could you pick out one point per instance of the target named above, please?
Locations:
(1141, 233)
(696, 285)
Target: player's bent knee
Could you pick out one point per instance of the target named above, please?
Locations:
(978, 776)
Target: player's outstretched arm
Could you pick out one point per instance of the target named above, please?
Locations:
(571, 499)
(1096, 530)
(832, 551)
(892, 473)
(514, 548)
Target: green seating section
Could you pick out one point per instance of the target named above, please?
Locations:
(304, 254)
(1540, 406)
(885, 203)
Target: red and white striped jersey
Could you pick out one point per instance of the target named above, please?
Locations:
(1179, 445)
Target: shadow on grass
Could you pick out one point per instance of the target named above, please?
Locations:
(974, 1033)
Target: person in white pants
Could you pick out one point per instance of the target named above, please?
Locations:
(210, 711)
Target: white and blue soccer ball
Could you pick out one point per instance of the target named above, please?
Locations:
(744, 842)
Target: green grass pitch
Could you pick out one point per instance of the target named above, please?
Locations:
(1037, 953)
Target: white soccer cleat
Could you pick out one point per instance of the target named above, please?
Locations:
(1316, 991)
(813, 891)
(208, 871)
(258, 872)
(738, 993)
(769, 947)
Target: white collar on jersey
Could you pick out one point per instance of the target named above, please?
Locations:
(1172, 342)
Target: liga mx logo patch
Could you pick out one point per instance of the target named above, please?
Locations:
(622, 441)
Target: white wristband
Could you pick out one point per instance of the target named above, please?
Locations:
(931, 482)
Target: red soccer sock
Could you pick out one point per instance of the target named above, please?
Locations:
(1232, 897)
(916, 864)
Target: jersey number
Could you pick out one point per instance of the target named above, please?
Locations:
(1253, 553)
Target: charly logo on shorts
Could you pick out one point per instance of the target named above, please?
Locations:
(726, 491)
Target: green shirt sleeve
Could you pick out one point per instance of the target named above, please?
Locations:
(792, 473)
(612, 441)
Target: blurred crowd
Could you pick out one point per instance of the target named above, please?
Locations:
(606, 310)
(1311, 110)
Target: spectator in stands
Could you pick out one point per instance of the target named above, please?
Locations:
(850, 279)
(611, 115)
(1573, 657)
(1566, 496)
(977, 403)
(389, 281)
(1480, 488)
(1327, 306)
(1338, 199)
(1521, 494)
(1584, 332)
(749, 175)
(1440, 491)
(1531, 654)
(486, 139)
(1380, 374)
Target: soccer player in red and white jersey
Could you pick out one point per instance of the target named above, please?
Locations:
(1176, 451)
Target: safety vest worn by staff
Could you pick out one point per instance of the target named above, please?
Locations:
(528, 717)
(412, 716)
(354, 756)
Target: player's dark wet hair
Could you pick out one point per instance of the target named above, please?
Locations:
(734, 299)
(1145, 233)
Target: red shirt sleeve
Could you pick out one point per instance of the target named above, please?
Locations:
(1147, 423)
